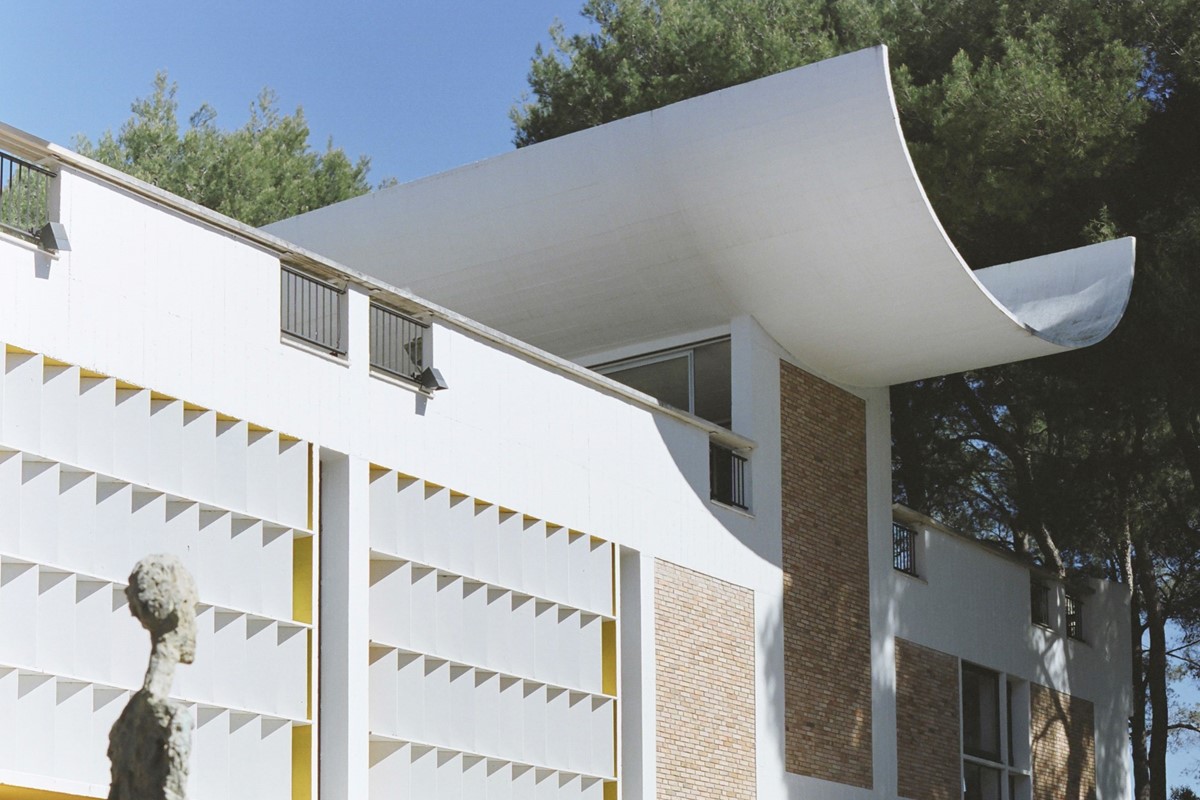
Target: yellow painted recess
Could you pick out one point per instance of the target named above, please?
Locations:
(127, 386)
(160, 396)
(21, 793)
(308, 672)
(84, 372)
(608, 638)
(610, 790)
(302, 579)
(54, 362)
(302, 762)
(12, 348)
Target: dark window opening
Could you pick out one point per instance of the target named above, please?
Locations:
(904, 555)
(397, 343)
(1039, 602)
(1074, 617)
(695, 379)
(726, 476)
(311, 310)
(981, 712)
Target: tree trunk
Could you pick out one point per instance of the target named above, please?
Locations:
(1156, 673)
(1137, 720)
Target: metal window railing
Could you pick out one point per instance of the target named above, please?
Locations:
(397, 343)
(726, 476)
(24, 196)
(310, 309)
(1074, 617)
(904, 549)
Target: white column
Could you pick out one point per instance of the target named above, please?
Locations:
(883, 613)
(344, 540)
(637, 675)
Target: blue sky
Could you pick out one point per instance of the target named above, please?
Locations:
(420, 86)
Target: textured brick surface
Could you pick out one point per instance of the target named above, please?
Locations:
(927, 712)
(704, 657)
(827, 627)
(1064, 749)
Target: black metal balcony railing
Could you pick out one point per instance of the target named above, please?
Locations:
(311, 310)
(397, 343)
(24, 196)
(904, 549)
(726, 476)
(1074, 617)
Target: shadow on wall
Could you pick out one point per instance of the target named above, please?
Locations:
(1065, 753)
(689, 449)
(770, 642)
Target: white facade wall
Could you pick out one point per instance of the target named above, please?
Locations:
(974, 602)
(157, 299)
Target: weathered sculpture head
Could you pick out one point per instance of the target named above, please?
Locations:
(162, 595)
(150, 742)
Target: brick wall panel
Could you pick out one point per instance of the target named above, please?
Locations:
(927, 723)
(704, 661)
(826, 606)
(1064, 745)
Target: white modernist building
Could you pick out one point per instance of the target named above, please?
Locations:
(607, 515)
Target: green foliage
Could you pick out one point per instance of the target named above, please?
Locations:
(259, 173)
(648, 54)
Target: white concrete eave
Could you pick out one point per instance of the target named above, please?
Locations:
(791, 198)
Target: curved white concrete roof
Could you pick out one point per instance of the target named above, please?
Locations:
(791, 198)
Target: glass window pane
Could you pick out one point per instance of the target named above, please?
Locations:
(981, 712)
(713, 383)
(665, 380)
(980, 783)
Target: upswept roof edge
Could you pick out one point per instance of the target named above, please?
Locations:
(792, 199)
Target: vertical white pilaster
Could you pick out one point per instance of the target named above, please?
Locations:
(344, 579)
(637, 670)
(883, 614)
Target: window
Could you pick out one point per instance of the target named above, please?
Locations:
(695, 379)
(981, 712)
(24, 196)
(904, 549)
(726, 476)
(1074, 616)
(1039, 602)
(397, 343)
(980, 782)
(995, 746)
(310, 309)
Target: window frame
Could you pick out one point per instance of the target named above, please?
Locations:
(1073, 616)
(1039, 601)
(1013, 735)
(337, 348)
(610, 369)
